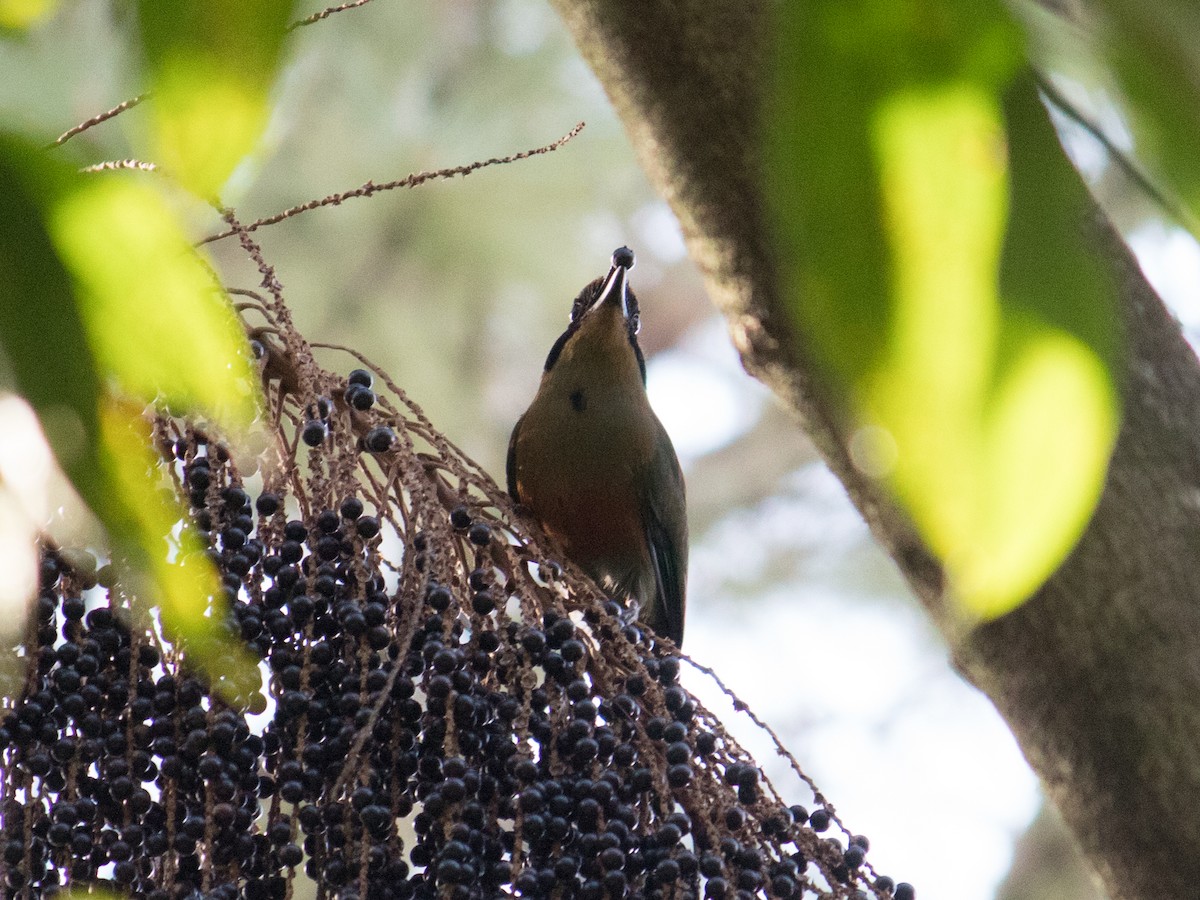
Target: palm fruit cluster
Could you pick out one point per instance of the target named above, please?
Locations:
(443, 708)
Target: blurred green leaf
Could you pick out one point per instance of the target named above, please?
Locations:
(91, 892)
(42, 337)
(182, 580)
(985, 402)
(211, 65)
(1054, 407)
(1154, 51)
(19, 14)
(102, 292)
(158, 321)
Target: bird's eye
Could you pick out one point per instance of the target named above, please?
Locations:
(586, 298)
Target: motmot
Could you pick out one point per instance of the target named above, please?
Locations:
(594, 465)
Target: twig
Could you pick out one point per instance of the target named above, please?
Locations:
(114, 164)
(96, 120)
(410, 181)
(129, 104)
(1118, 156)
(326, 13)
(740, 705)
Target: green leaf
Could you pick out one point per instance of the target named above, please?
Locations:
(90, 892)
(170, 559)
(211, 65)
(940, 282)
(101, 291)
(42, 337)
(158, 322)
(20, 14)
(1154, 51)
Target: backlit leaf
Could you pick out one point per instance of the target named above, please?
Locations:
(42, 337)
(929, 227)
(101, 293)
(181, 581)
(211, 65)
(18, 14)
(158, 322)
(1154, 52)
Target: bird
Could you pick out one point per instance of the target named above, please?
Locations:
(595, 467)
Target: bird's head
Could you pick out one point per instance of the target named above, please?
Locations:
(612, 290)
(604, 305)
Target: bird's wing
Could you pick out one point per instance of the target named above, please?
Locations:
(665, 520)
(510, 467)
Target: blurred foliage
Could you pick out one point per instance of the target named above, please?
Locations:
(928, 226)
(42, 335)
(157, 320)
(1154, 53)
(18, 14)
(210, 65)
(112, 309)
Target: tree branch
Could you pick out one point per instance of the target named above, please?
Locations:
(1099, 673)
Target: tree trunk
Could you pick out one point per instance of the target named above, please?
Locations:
(1098, 675)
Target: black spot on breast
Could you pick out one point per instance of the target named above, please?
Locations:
(578, 400)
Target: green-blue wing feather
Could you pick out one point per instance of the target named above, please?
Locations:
(665, 520)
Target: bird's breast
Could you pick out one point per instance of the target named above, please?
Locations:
(581, 466)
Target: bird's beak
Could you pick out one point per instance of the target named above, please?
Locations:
(615, 287)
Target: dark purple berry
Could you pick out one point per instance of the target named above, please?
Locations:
(380, 439)
(314, 432)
